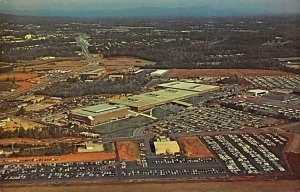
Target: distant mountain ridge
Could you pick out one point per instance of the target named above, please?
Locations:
(202, 11)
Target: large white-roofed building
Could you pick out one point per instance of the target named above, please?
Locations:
(173, 91)
(97, 114)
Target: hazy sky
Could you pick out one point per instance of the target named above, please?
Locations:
(289, 6)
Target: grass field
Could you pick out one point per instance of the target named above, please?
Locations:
(40, 141)
(16, 123)
(128, 150)
(193, 73)
(77, 157)
(194, 147)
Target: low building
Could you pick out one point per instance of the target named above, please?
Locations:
(32, 98)
(116, 76)
(188, 86)
(257, 92)
(3, 120)
(158, 73)
(56, 98)
(92, 74)
(97, 114)
(146, 101)
(163, 145)
(91, 147)
(8, 151)
(4, 68)
(138, 71)
(89, 135)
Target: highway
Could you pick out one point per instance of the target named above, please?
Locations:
(84, 46)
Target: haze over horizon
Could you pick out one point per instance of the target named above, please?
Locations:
(102, 8)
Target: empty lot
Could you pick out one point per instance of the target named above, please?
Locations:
(194, 147)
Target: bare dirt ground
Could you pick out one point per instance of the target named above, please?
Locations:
(192, 73)
(253, 186)
(292, 153)
(64, 63)
(5, 86)
(23, 80)
(194, 147)
(25, 85)
(18, 76)
(128, 150)
(293, 145)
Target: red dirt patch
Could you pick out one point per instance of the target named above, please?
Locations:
(128, 150)
(18, 76)
(25, 85)
(292, 154)
(194, 147)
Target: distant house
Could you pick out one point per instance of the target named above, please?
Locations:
(114, 77)
(257, 92)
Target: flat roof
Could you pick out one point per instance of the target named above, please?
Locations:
(257, 91)
(159, 72)
(189, 86)
(94, 72)
(95, 110)
(165, 144)
(156, 97)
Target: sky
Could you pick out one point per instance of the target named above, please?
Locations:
(281, 6)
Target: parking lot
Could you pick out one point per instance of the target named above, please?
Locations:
(250, 154)
(60, 171)
(233, 155)
(166, 110)
(288, 108)
(209, 96)
(208, 119)
(275, 81)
